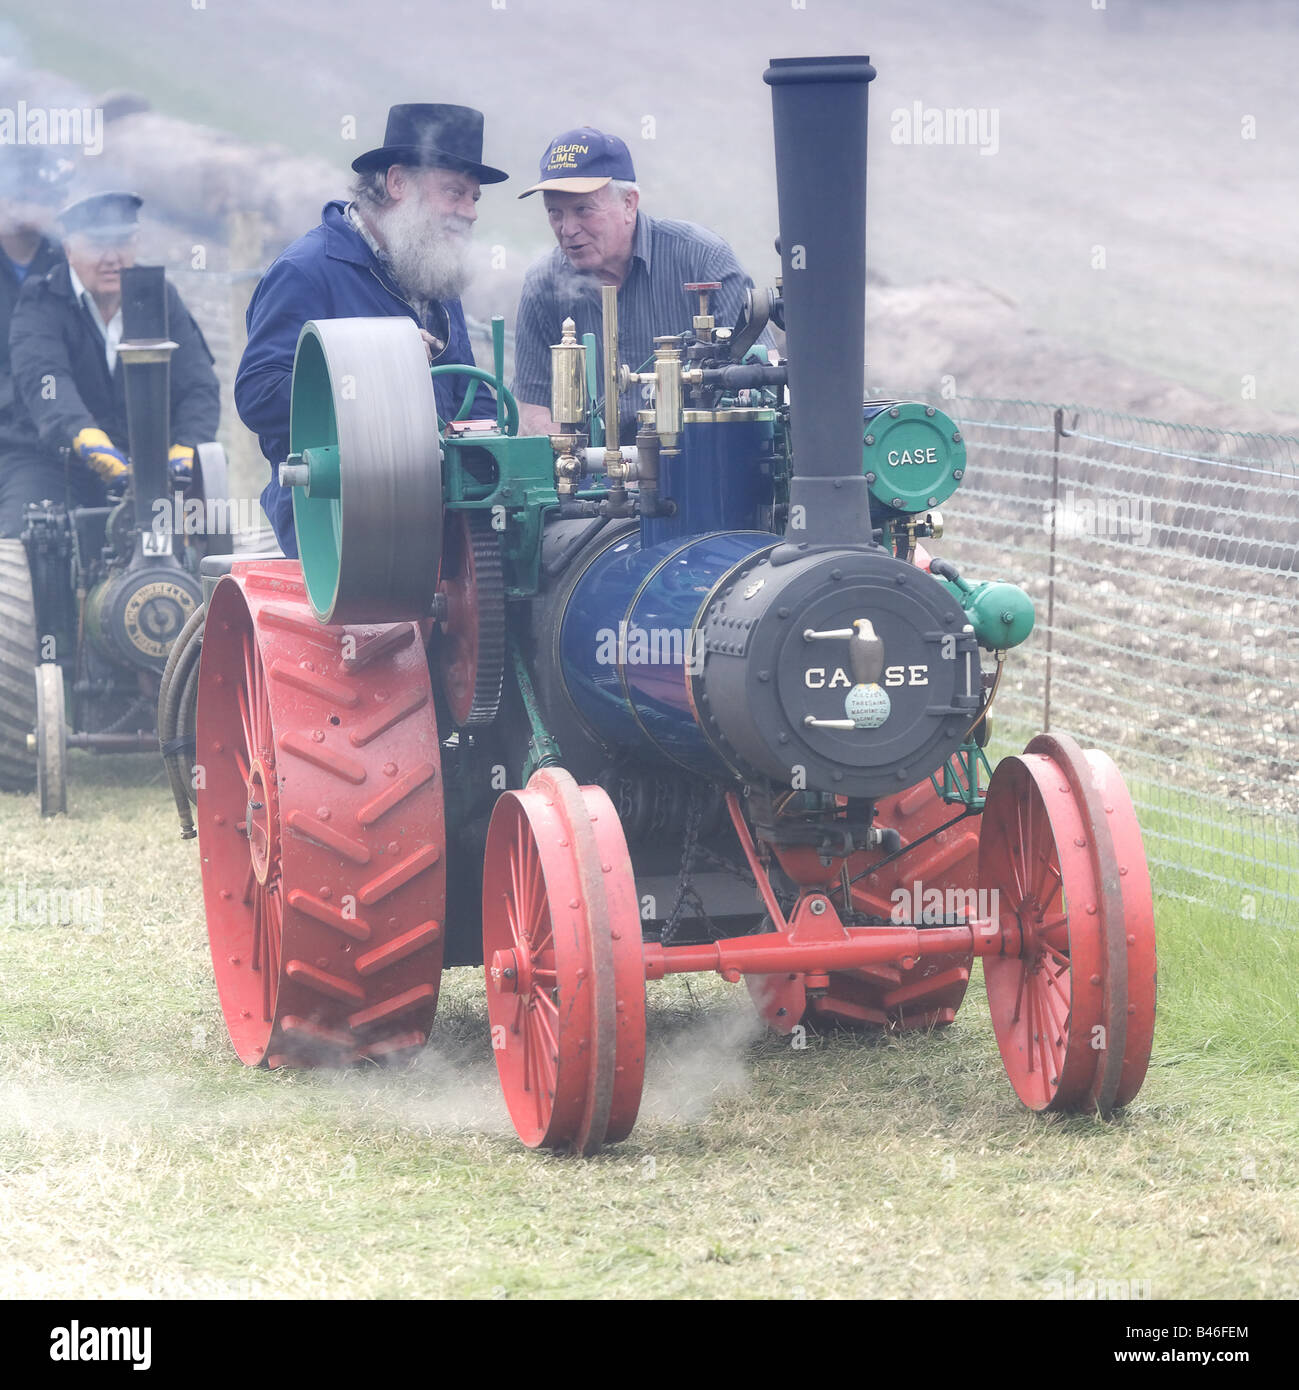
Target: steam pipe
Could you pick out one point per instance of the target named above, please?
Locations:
(146, 355)
(819, 117)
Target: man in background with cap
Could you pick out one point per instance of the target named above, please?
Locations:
(589, 188)
(69, 389)
(399, 247)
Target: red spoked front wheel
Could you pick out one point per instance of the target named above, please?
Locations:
(320, 823)
(565, 976)
(1072, 995)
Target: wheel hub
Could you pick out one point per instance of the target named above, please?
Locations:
(261, 819)
(511, 971)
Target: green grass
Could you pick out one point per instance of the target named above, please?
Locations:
(138, 1157)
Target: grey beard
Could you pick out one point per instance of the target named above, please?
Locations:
(427, 260)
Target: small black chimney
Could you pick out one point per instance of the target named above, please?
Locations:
(146, 362)
(819, 113)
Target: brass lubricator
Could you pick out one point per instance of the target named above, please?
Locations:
(567, 407)
(662, 438)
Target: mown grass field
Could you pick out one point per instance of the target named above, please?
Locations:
(137, 1157)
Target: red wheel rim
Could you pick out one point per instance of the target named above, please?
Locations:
(320, 827)
(561, 946)
(1072, 995)
(628, 963)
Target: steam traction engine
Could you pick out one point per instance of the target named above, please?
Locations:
(593, 715)
(94, 600)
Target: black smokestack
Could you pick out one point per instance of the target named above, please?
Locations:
(146, 362)
(818, 110)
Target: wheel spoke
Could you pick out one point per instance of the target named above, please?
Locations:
(246, 722)
(259, 932)
(1019, 849)
(1019, 993)
(547, 1017)
(1047, 867)
(1045, 1048)
(1055, 999)
(514, 899)
(1045, 855)
(1045, 902)
(512, 914)
(1058, 954)
(537, 902)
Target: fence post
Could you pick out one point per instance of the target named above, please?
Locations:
(1050, 573)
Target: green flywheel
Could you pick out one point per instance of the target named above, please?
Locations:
(366, 470)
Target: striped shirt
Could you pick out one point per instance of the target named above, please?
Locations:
(651, 302)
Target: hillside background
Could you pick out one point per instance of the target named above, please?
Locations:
(1118, 128)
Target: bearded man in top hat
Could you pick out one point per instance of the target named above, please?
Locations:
(400, 246)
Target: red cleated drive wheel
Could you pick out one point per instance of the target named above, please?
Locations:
(565, 976)
(320, 824)
(1074, 1006)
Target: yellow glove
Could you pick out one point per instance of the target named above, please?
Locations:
(93, 447)
(180, 464)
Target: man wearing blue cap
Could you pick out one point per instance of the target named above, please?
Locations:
(69, 388)
(399, 247)
(589, 187)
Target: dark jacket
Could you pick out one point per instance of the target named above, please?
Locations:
(62, 384)
(330, 273)
(48, 255)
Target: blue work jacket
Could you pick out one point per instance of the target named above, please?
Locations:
(330, 273)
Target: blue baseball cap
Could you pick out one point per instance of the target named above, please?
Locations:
(582, 160)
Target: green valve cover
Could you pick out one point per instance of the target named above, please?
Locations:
(912, 454)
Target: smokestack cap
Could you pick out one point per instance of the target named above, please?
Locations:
(828, 69)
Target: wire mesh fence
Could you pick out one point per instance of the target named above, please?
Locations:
(1163, 560)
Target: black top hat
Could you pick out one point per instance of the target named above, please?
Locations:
(103, 216)
(432, 137)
